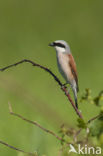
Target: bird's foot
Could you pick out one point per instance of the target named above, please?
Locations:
(64, 85)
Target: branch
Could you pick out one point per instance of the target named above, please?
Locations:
(17, 149)
(76, 134)
(36, 124)
(94, 118)
(53, 75)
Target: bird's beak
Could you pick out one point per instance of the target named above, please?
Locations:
(51, 44)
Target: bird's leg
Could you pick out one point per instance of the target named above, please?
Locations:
(64, 85)
(68, 89)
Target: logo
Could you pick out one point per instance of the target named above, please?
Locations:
(85, 150)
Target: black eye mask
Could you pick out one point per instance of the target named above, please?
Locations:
(59, 45)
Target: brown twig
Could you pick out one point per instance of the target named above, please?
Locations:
(36, 124)
(94, 118)
(76, 134)
(17, 149)
(53, 75)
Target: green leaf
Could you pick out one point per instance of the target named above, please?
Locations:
(101, 139)
(96, 127)
(86, 96)
(81, 123)
(97, 99)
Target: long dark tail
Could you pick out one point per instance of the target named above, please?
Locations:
(75, 96)
(76, 102)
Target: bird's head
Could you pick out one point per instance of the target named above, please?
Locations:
(60, 46)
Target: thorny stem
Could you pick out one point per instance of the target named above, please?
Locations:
(53, 75)
(36, 124)
(17, 149)
(94, 118)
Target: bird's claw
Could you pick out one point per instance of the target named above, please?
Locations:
(64, 85)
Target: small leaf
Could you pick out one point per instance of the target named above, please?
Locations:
(81, 123)
(96, 127)
(86, 96)
(102, 109)
(101, 139)
(97, 99)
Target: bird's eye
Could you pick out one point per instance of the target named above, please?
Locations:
(59, 45)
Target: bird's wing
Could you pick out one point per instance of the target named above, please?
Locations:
(73, 69)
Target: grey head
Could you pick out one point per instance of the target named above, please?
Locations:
(60, 46)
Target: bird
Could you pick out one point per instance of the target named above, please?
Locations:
(67, 66)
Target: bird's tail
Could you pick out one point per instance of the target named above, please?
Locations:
(75, 96)
(76, 102)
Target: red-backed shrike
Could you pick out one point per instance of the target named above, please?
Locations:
(66, 65)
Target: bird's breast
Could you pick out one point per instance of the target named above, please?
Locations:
(63, 65)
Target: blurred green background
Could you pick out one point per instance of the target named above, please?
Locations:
(26, 28)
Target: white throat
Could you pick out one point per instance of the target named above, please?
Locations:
(60, 49)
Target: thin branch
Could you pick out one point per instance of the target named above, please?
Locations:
(94, 118)
(76, 134)
(53, 75)
(36, 124)
(17, 149)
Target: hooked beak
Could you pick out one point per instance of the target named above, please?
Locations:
(51, 44)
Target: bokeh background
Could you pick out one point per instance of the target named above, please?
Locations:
(26, 28)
